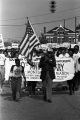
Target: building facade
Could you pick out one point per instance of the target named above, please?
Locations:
(60, 35)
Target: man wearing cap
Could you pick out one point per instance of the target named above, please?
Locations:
(47, 65)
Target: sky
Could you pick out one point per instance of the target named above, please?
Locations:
(15, 12)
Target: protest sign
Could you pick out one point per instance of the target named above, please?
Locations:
(64, 69)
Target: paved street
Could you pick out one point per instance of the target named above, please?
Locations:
(63, 107)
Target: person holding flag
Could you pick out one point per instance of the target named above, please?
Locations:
(27, 45)
(29, 41)
(47, 65)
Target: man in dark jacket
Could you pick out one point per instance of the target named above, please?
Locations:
(47, 64)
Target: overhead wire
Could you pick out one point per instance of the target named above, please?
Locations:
(12, 25)
(40, 14)
(9, 25)
(20, 25)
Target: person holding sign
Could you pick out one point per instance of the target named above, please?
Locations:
(17, 71)
(47, 64)
(31, 85)
(2, 70)
(77, 76)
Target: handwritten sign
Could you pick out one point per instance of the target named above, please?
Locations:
(64, 69)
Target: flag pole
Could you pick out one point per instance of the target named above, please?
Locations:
(32, 26)
(34, 33)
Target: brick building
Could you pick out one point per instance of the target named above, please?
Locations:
(60, 35)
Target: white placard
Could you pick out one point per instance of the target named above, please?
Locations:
(64, 69)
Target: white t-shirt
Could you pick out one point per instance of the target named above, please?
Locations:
(17, 71)
(75, 58)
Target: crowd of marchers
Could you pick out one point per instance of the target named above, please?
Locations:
(48, 65)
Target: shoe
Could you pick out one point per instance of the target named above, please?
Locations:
(1, 91)
(14, 98)
(44, 98)
(49, 101)
(18, 96)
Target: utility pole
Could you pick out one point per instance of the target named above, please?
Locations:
(75, 28)
(64, 29)
(64, 23)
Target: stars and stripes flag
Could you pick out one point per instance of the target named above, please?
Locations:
(29, 41)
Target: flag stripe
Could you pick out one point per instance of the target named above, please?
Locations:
(33, 45)
(26, 49)
(32, 41)
(27, 53)
(32, 38)
(29, 47)
(25, 45)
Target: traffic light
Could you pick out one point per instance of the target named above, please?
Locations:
(52, 6)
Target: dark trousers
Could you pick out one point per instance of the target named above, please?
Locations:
(47, 88)
(71, 84)
(31, 86)
(76, 80)
(15, 86)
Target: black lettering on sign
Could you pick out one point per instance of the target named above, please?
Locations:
(60, 66)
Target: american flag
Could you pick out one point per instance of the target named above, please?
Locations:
(29, 41)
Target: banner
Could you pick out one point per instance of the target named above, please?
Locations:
(1, 42)
(64, 69)
(8, 63)
(33, 73)
(2, 59)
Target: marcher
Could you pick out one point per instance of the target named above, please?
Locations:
(2, 71)
(1, 83)
(76, 55)
(78, 72)
(47, 64)
(71, 82)
(31, 85)
(17, 71)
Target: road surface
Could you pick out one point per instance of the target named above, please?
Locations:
(63, 106)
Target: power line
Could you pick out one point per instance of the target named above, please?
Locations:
(53, 21)
(37, 23)
(13, 19)
(12, 25)
(12, 38)
(41, 14)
